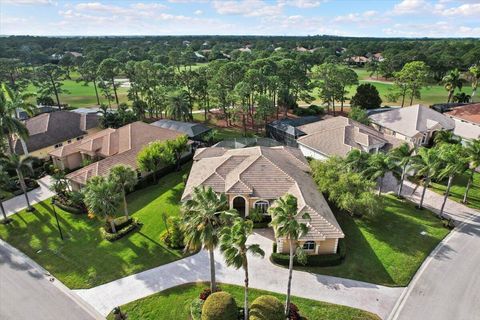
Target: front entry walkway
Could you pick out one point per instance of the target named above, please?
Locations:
(263, 275)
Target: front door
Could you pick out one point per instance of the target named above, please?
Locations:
(239, 204)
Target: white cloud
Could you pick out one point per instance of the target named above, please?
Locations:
(249, 8)
(148, 6)
(366, 18)
(198, 12)
(438, 29)
(463, 10)
(30, 2)
(410, 7)
(303, 4)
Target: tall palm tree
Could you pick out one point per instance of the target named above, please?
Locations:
(454, 163)
(379, 165)
(472, 152)
(444, 136)
(286, 221)
(402, 156)
(233, 244)
(19, 100)
(426, 164)
(203, 217)
(102, 197)
(22, 166)
(452, 81)
(475, 76)
(9, 124)
(125, 178)
(178, 107)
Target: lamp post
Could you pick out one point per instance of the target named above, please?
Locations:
(56, 218)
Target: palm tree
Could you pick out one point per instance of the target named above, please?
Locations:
(357, 161)
(452, 81)
(233, 244)
(402, 156)
(475, 75)
(178, 107)
(285, 221)
(425, 164)
(22, 166)
(444, 136)
(379, 165)
(19, 100)
(203, 217)
(454, 163)
(3, 177)
(472, 152)
(9, 124)
(102, 197)
(125, 178)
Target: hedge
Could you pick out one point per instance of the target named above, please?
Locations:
(70, 209)
(220, 306)
(324, 260)
(123, 229)
(267, 308)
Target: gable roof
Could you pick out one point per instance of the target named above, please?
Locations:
(192, 130)
(339, 135)
(268, 173)
(118, 146)
(469, 113)
(412, 120)
(48, 129)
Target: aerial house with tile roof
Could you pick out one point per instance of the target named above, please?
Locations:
(107, 148)
(255, 177)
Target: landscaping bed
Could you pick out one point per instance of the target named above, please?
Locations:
(84, 259)
(175, 303)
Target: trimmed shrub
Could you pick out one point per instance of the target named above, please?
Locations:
(260, 220)
(124, 226)
(324, 260)
(220, 306)
(196, 309)
(267, 308)
(207, 292)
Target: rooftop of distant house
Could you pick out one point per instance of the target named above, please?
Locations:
(469, 113)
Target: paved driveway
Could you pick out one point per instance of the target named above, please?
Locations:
(447, 286)
(26, 292)
(39, 194)
(263, 275)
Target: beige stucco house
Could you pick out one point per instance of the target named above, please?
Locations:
(255, 177)
(106, 149)
(50, 131)
(338, 136)
(416, 124)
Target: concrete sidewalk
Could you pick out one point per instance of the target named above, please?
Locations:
(37, 195)
(263, 275)
(27, 291)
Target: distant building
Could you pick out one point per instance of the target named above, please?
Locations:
(285, 130)
(467, 121)
(194, 131)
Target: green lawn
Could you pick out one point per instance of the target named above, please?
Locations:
(174, 303)
(458, 189)
(388, 248)
(84, 259)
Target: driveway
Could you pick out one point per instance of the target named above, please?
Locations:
(28, 292)
(263, 275)
(447, 284)
(37, 195)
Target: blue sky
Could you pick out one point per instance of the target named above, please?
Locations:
(376, 18)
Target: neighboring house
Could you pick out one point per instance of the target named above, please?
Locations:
(107, 148)
(416, 124)
(285, 130)
(467, 121)
(23, 115)
(339, 135)
(195, 131)
(257, 176)
(49, 131)
(357, 60)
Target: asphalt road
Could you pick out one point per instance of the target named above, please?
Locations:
(27, 293)
(449, 286)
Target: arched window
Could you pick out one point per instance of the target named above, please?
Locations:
(309, 246)
(262, 206)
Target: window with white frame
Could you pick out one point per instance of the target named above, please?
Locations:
(262, 206)
(309, 246)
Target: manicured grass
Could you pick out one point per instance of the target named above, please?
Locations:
(388, 248)
(84, 259)
(458, 190)
(174, 303)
